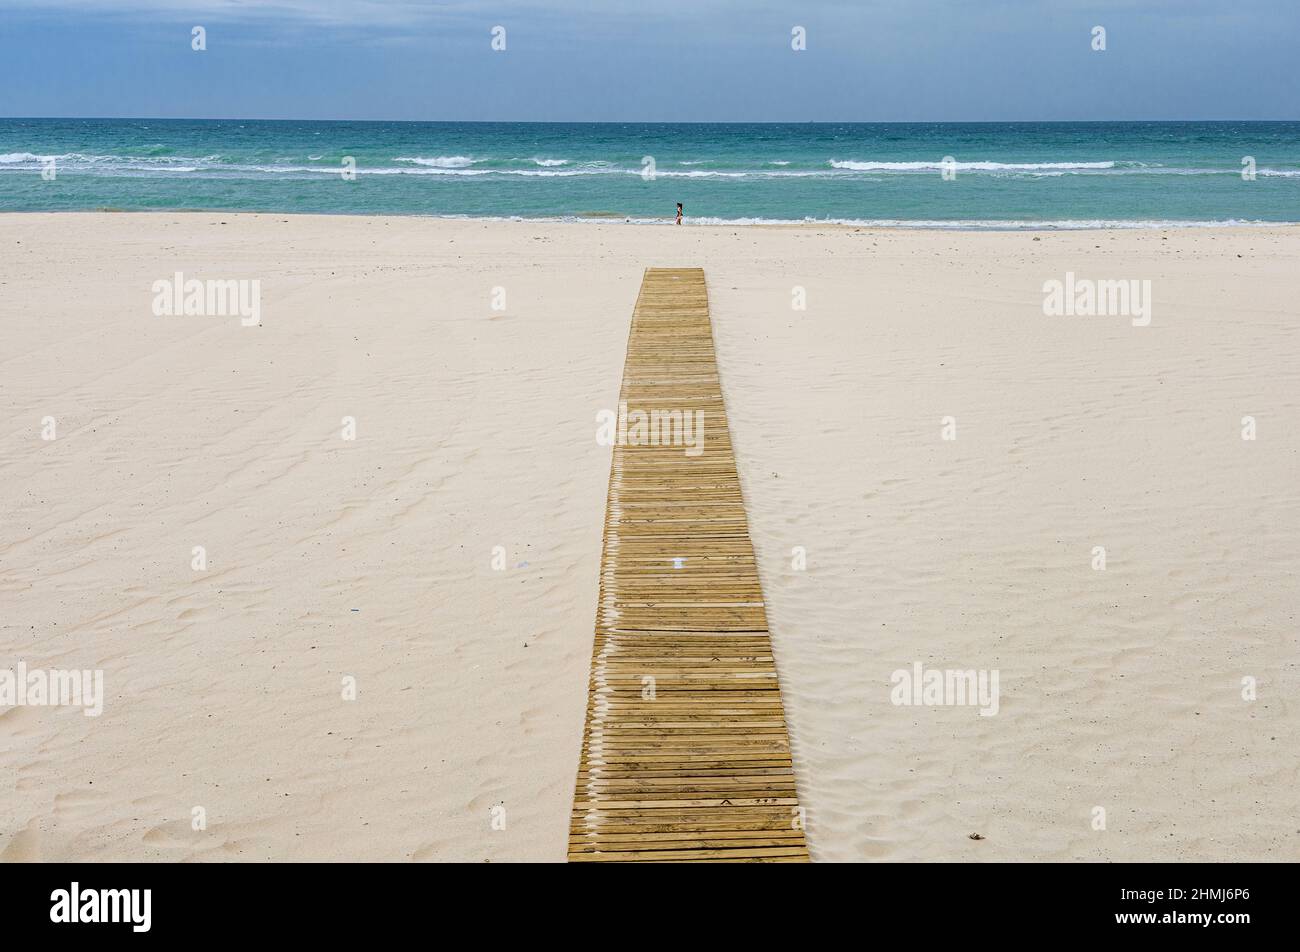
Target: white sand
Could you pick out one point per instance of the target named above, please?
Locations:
(1119, 688)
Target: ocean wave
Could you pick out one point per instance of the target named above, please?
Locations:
(438, 162)
(526, 173)
(227, 166)
(694, 173)
(82, 159)
(966, 166)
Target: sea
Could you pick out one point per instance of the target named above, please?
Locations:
(996, 175)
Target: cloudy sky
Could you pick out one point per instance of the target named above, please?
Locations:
(661, 60)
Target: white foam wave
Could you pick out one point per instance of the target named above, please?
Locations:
(439, 161)
(852, 166)
(213, 165)
(161, 162)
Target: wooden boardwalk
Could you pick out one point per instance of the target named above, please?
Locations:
(685, 757)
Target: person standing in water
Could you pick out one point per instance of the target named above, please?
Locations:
(679, 213)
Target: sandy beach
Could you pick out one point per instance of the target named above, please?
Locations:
(446, 558)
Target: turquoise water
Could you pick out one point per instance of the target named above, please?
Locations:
(1004, 174)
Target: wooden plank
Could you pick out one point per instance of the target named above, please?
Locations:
(685, 755)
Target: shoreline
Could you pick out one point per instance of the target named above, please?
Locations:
(1009, 226)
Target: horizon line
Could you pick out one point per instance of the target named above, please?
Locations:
(640, 122)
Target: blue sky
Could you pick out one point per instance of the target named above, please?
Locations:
(659, 60)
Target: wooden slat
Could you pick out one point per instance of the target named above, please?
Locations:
(701, 772)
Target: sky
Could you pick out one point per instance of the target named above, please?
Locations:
(653, 60)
